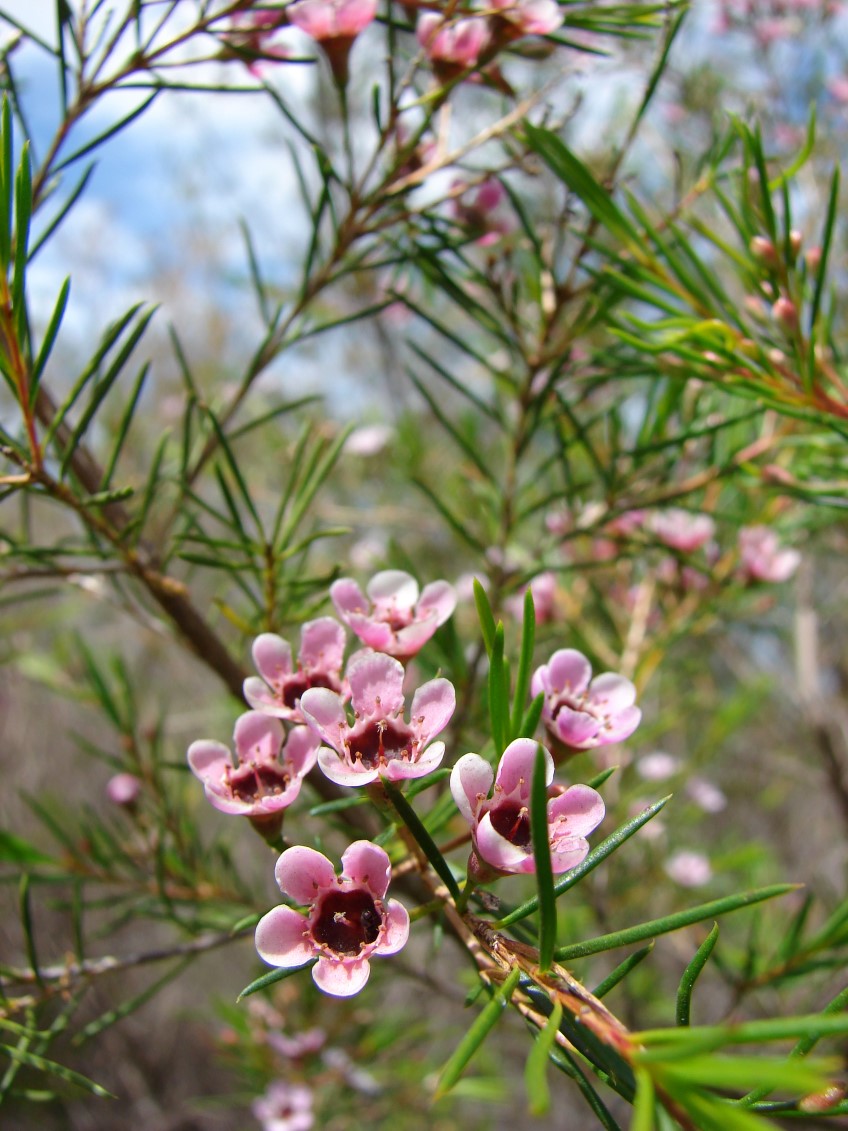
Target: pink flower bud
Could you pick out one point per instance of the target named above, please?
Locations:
(763, 250)
(123, 790)
(785, 313)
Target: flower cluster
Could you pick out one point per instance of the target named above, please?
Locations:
(348, 722)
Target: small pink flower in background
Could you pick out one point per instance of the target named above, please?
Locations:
(348, 919)
(392, 618)
(379, 742)
(452, 45)
(543, 587)
(124, 790)
(269, 773)
(250, 37)
(529, 17)
(296, 1047)
(319, 664)
(581, 712)
(682, 530)
(706, 795)
(285, 1107)
(762, 558)
(689, 869)
(500, 824)
(481, 210)
(369, 440)
(657, 766)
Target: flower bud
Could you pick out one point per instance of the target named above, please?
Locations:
(785, 313)
(795, 240)
(813, 258)
(763, 250)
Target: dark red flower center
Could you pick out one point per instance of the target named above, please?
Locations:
(511, 820)
(380, 742)
(347, 921)
(255, 780)
(295, 685)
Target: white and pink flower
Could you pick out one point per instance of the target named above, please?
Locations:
(580, 712)
(390, 616)
(452, 44)
(379, 743)
(500, 824)
(529, 17)
(268, 773)
(762, 558)
(348, 920)
(285, 1107)
(332, 19)
(682, 530)
(279, 686)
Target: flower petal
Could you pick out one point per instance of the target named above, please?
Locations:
(498, 851)
(396, 929)
(272, 657)
(209, 760)
(340, 771)
(432, 706)
(611, 693)
(439, 598)
(569, 672)
(262, 698)
(398, 769)
(322, 644)
(576, 812)
(515, 770)
(282, 938)
(470, 782)
(258, 737)
(568, 854)
(376, 684)
(301, 750)
(576, 729)
(302, 873)
(341, 979)
(348, 597)
(367, 864)
(393, 589)
(622, 725)
(324, 712)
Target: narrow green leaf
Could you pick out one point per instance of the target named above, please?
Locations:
(271, 979)
(112, 1016)
(672, 922)
(480, 1029)
(67, 206)
(23, 215)
(691, 974)
(484, 613)
(536, 1068)
(826, 240)
(622, 970)
(425, 841)
(598, 780)
(705, 1037)
(498, 692)
(30, 1060)
(124, 425)
(16, 850)
(532, 716)
(540, 833)
(27, 927)
(643, 1108)
(525, 664)
(110, 132)
(595, 857)
(49, 339)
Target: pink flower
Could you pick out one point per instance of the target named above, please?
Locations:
(269, 773)
(681, 529)
(761, 557)
(706, 795)
(319, 663)
(500, 824)
(689, 869)
(530, 17)
(348, 920)
(285, 1107)
(393, 618)
(543, 587)
(332, 19)
(657, 766)
(379, 742)
(458, 43)
(479, 209)
(123, 790)
(581, 712)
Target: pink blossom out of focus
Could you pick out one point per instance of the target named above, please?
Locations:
(706, 795)
(457, 43)
(250, 38)
(762, 558)
(657, 766)
(689, 869)
(332, 19)
(581, 712)
(123, 789)
(379, 743)
(682, 530)
(279, 686)
(285, 1107)
(269, 772)
(348, 920)
(390, 616)
(530, 17)
(500, 824)
(543, 587)
(480, 209)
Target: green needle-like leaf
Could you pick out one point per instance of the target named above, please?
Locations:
(672, 922)
(691, 974)
(478, 1032)
(271, 978)
(525, 664)
(425, 841)
(542, 856)
(535, 1071)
